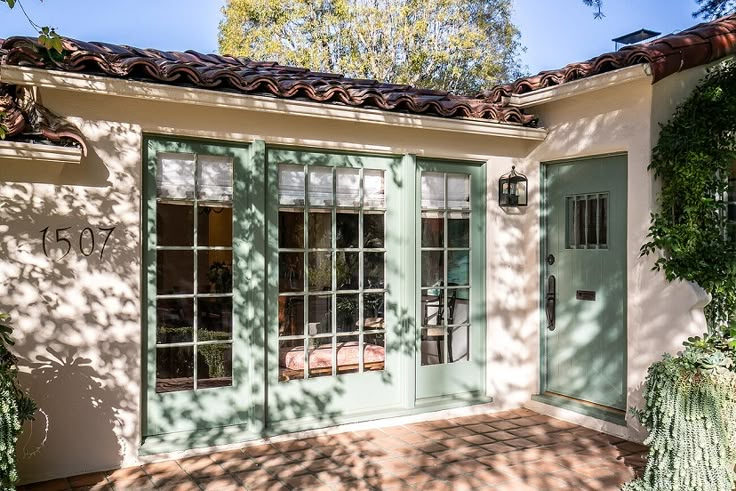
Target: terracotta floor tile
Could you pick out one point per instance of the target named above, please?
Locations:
(221, 483)
(87, 480)
(503, 425)
(188, 485)
(501, 435)
(141, 483)
(434, 486)
(304, 481)
(95, 487)
(255, 479)
(259, 450)
(126, 473)
(201, 467)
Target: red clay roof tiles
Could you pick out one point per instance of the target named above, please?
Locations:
(699, 45)
(227, 73)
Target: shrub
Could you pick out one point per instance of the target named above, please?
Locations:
(15, 406)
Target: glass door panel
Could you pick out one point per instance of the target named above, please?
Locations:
(451, 329)
(337, 268)
(194, 336)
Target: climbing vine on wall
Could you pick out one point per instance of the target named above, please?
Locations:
(693, 161)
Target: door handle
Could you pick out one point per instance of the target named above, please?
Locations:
(550, 302)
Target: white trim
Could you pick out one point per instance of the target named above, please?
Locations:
(39, 152)
(93, 84)
(582, 86)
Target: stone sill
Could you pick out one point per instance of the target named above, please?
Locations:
(39, 152)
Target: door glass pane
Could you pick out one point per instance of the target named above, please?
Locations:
(175, 175)
(291, 228)
(433, 190)
(347, 230)
(373, 268)
(347, 267)
(174, 320)
(459, 306)
(291, 272)
(373, 188)
(433, 306)
(458, 191)
(320, 186)
(320, 229)
(214, 271)
(214, 365)
(458, 264)
(433, 346)
(580, 214)
(348, 187)
(320, 315)
(347, 313)
(569, 222)
(291, 184)
(603, 212)
(175, 223)
(373, 305)
(214, 178)
(374, 351)
(433, 268)
(291, 316)
(320, 357)
(592, 221)
(373, 230)
(174, 369)
(174, 272)
(215, 317)
(214, 225)
(458, 229)
(433, 229)
(291, 359)
(458, 344)
(320, 271)
(348, 353)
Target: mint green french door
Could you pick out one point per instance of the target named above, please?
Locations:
(449, 219)
(584, 280)
(335, 344)
(201, 258)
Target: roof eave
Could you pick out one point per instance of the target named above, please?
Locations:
(100, 85)
(582, 86)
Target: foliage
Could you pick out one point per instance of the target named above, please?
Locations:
(708, 9)
(693, 160)
(690, 413)
(455, 45)
(15, 406)
(712, 9)
(220, 277)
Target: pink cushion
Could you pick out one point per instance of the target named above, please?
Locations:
(321, 357)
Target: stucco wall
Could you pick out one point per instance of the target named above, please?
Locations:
(78, 318)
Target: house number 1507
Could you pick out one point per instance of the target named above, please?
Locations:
(86, 240)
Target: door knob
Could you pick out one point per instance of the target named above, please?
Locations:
(550, 302)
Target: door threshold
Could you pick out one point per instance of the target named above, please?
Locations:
(597, 411)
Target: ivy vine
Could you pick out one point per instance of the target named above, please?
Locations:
(693, 160)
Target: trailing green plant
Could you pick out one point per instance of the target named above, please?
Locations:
(693, 160)
(690, 413)
(15, 406)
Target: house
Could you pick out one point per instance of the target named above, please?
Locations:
(200, 250)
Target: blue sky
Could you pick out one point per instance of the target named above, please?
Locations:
(554, 32)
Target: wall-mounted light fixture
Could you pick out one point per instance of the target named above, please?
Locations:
(512, 189)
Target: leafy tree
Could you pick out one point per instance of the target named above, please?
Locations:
(708, 9)
(712, 9)
(456, 45)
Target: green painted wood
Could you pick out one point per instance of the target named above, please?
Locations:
(327, 400)
(462, 377)
(585, 356)
(215, 407)
(605, 414)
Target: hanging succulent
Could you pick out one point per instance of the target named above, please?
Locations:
(15, 407)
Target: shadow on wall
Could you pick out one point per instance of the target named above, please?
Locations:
(70, 281)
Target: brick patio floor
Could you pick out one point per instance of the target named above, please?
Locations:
(516, 451)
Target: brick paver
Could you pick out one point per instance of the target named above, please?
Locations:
(515, 450)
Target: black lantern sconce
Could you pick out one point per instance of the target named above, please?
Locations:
(512, 189)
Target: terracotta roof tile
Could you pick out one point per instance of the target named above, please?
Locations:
(699, 45)
(227, 73)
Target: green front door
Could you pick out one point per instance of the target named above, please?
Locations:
(200, 250)
(450, 304)
(584, 281)
(335, 243)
